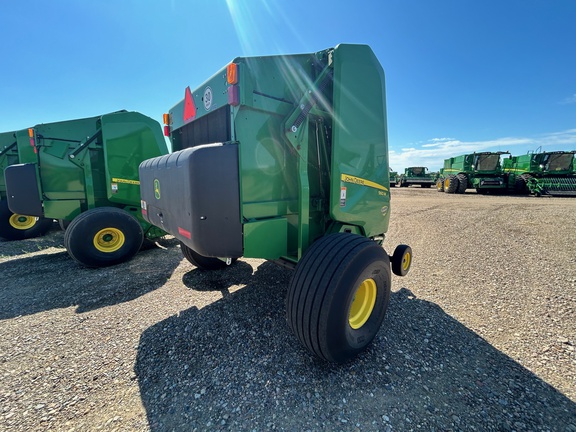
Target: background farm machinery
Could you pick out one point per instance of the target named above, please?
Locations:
(83, 173)
(542, 173)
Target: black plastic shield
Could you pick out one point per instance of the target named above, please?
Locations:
(194, 194)
(22, 191)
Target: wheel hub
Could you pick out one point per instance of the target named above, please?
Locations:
(406, 260)
(362, 304)
(109, 240)
(22, 222)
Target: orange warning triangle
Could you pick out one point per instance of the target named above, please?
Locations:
(189, 107)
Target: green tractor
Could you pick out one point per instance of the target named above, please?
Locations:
(285, 158)
(16, 226)
(416, 176)
(84, 173)
(481, 171)
(544, 173)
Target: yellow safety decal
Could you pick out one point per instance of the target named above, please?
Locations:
(363, 182)
(132, 182)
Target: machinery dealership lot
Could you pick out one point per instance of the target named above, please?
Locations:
(481, 335)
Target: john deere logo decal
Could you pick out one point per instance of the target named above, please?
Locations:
(157, 189)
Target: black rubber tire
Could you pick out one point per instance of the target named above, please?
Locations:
(9, 232)
(440, 185)
(451, 184)
(81, 235)
(462, 183)
(402, 260)
(323, 288)
(521, 184)
(63, 224)
(201, 261)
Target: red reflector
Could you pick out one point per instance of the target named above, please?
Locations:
(233, 95)
(166, 130)
(145, 212)
(184, 233)
(189, 107)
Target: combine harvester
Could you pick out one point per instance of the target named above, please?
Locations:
(481, 171)
(393, 177)
(417, 176)
(16, 226)
(285, 158)
(84, 173)
(545, 173)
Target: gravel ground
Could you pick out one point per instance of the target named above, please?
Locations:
(480, 335)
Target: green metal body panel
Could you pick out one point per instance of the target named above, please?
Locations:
(483, 170)
(360, 142)
(313, 152)
(92, 162)
(551, 173)
(417, 176)
(8, 156)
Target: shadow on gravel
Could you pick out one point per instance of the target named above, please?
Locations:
(234, 365)
(52, 239)
(54, 280)
(220, 280)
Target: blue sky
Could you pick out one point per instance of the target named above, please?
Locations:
(462, 75)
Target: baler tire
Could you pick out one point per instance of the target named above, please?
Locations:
(401, 260)
(103, 236)
(11, 229)
(451, 184)
(201, 261)
(440, 185)
(462, 183)
(338, 296)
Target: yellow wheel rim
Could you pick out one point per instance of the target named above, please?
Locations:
(406, 261)
(363, 304)
(446, 183)
(22, 222)
(109, 240)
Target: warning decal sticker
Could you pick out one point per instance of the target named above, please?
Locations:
(342, 196)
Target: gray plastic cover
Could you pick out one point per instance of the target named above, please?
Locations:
(194, 194)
